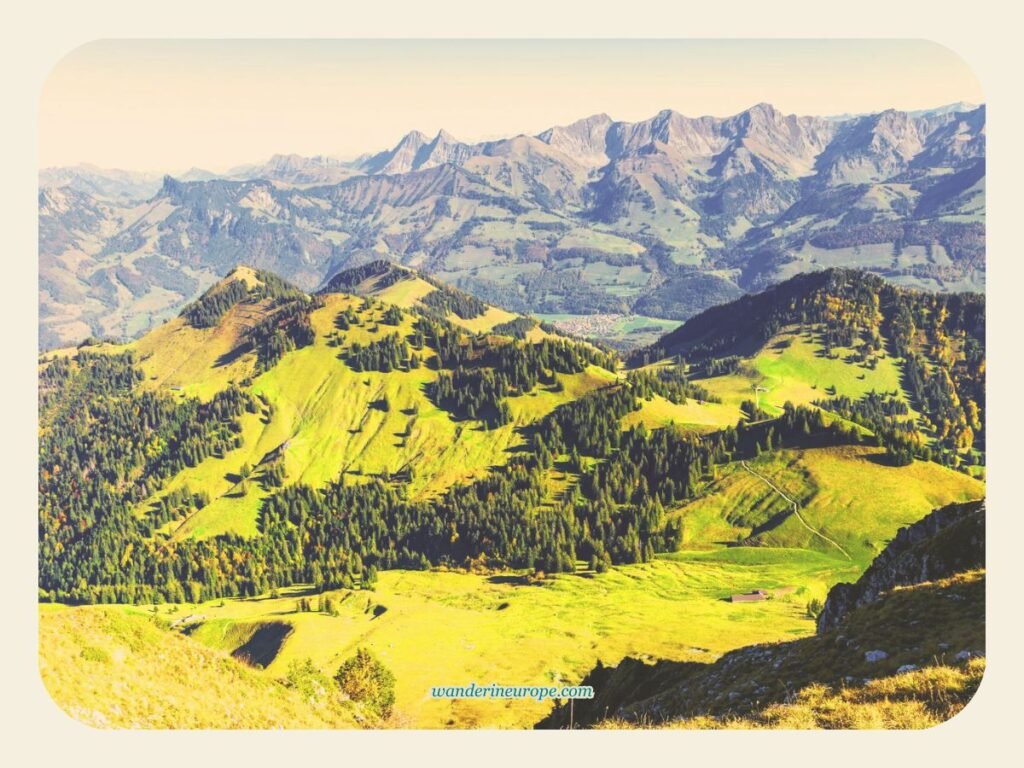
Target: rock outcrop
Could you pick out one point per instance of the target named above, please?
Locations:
(950, 540)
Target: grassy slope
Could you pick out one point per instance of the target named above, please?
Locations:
(923, 698)
(862, 502)
(701, 417)
(409, 293)
(799, 374)
(328, 413)
(198, 361)
(114, 668)
(446, 628)
(825, 681)
(845, 492)
(789, 368)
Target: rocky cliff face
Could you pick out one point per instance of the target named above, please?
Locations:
(950, 540)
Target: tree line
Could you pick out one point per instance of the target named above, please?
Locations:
(287, 327)
(208, 309)
(107, 446)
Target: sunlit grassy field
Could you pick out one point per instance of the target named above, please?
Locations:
(791, 368)
(448, 628)
(699, 416)
(845, 492)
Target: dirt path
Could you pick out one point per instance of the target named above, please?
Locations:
(796, 509)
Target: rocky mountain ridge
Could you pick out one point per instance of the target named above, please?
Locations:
(662, 217)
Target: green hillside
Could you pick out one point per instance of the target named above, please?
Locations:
(437, 467)
(829, 485)
(908, 365)
(331, 419)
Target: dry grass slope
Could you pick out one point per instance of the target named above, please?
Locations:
(920, 699)
(931, 637)
(112, 669)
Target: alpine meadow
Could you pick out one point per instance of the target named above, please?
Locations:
(687, 413)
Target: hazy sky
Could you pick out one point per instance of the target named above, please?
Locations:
(167, 105)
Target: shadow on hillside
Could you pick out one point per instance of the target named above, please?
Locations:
(880, 459)
(235, 354)
(264, 645)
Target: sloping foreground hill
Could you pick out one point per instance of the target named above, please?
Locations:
(921, 698)
(910, 658)
(112, 669)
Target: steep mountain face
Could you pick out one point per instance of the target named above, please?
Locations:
(871, 149)
(663, 217)
(401, 159)
(949, 541)
(586, 139)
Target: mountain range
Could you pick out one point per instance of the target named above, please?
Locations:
(659, 218)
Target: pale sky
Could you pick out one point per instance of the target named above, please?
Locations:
(168, 105)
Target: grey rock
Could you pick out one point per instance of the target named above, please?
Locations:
(911, 558)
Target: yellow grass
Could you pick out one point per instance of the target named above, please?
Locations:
(700, 416)
(914, 700)
(110, 668)
(447, 628)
